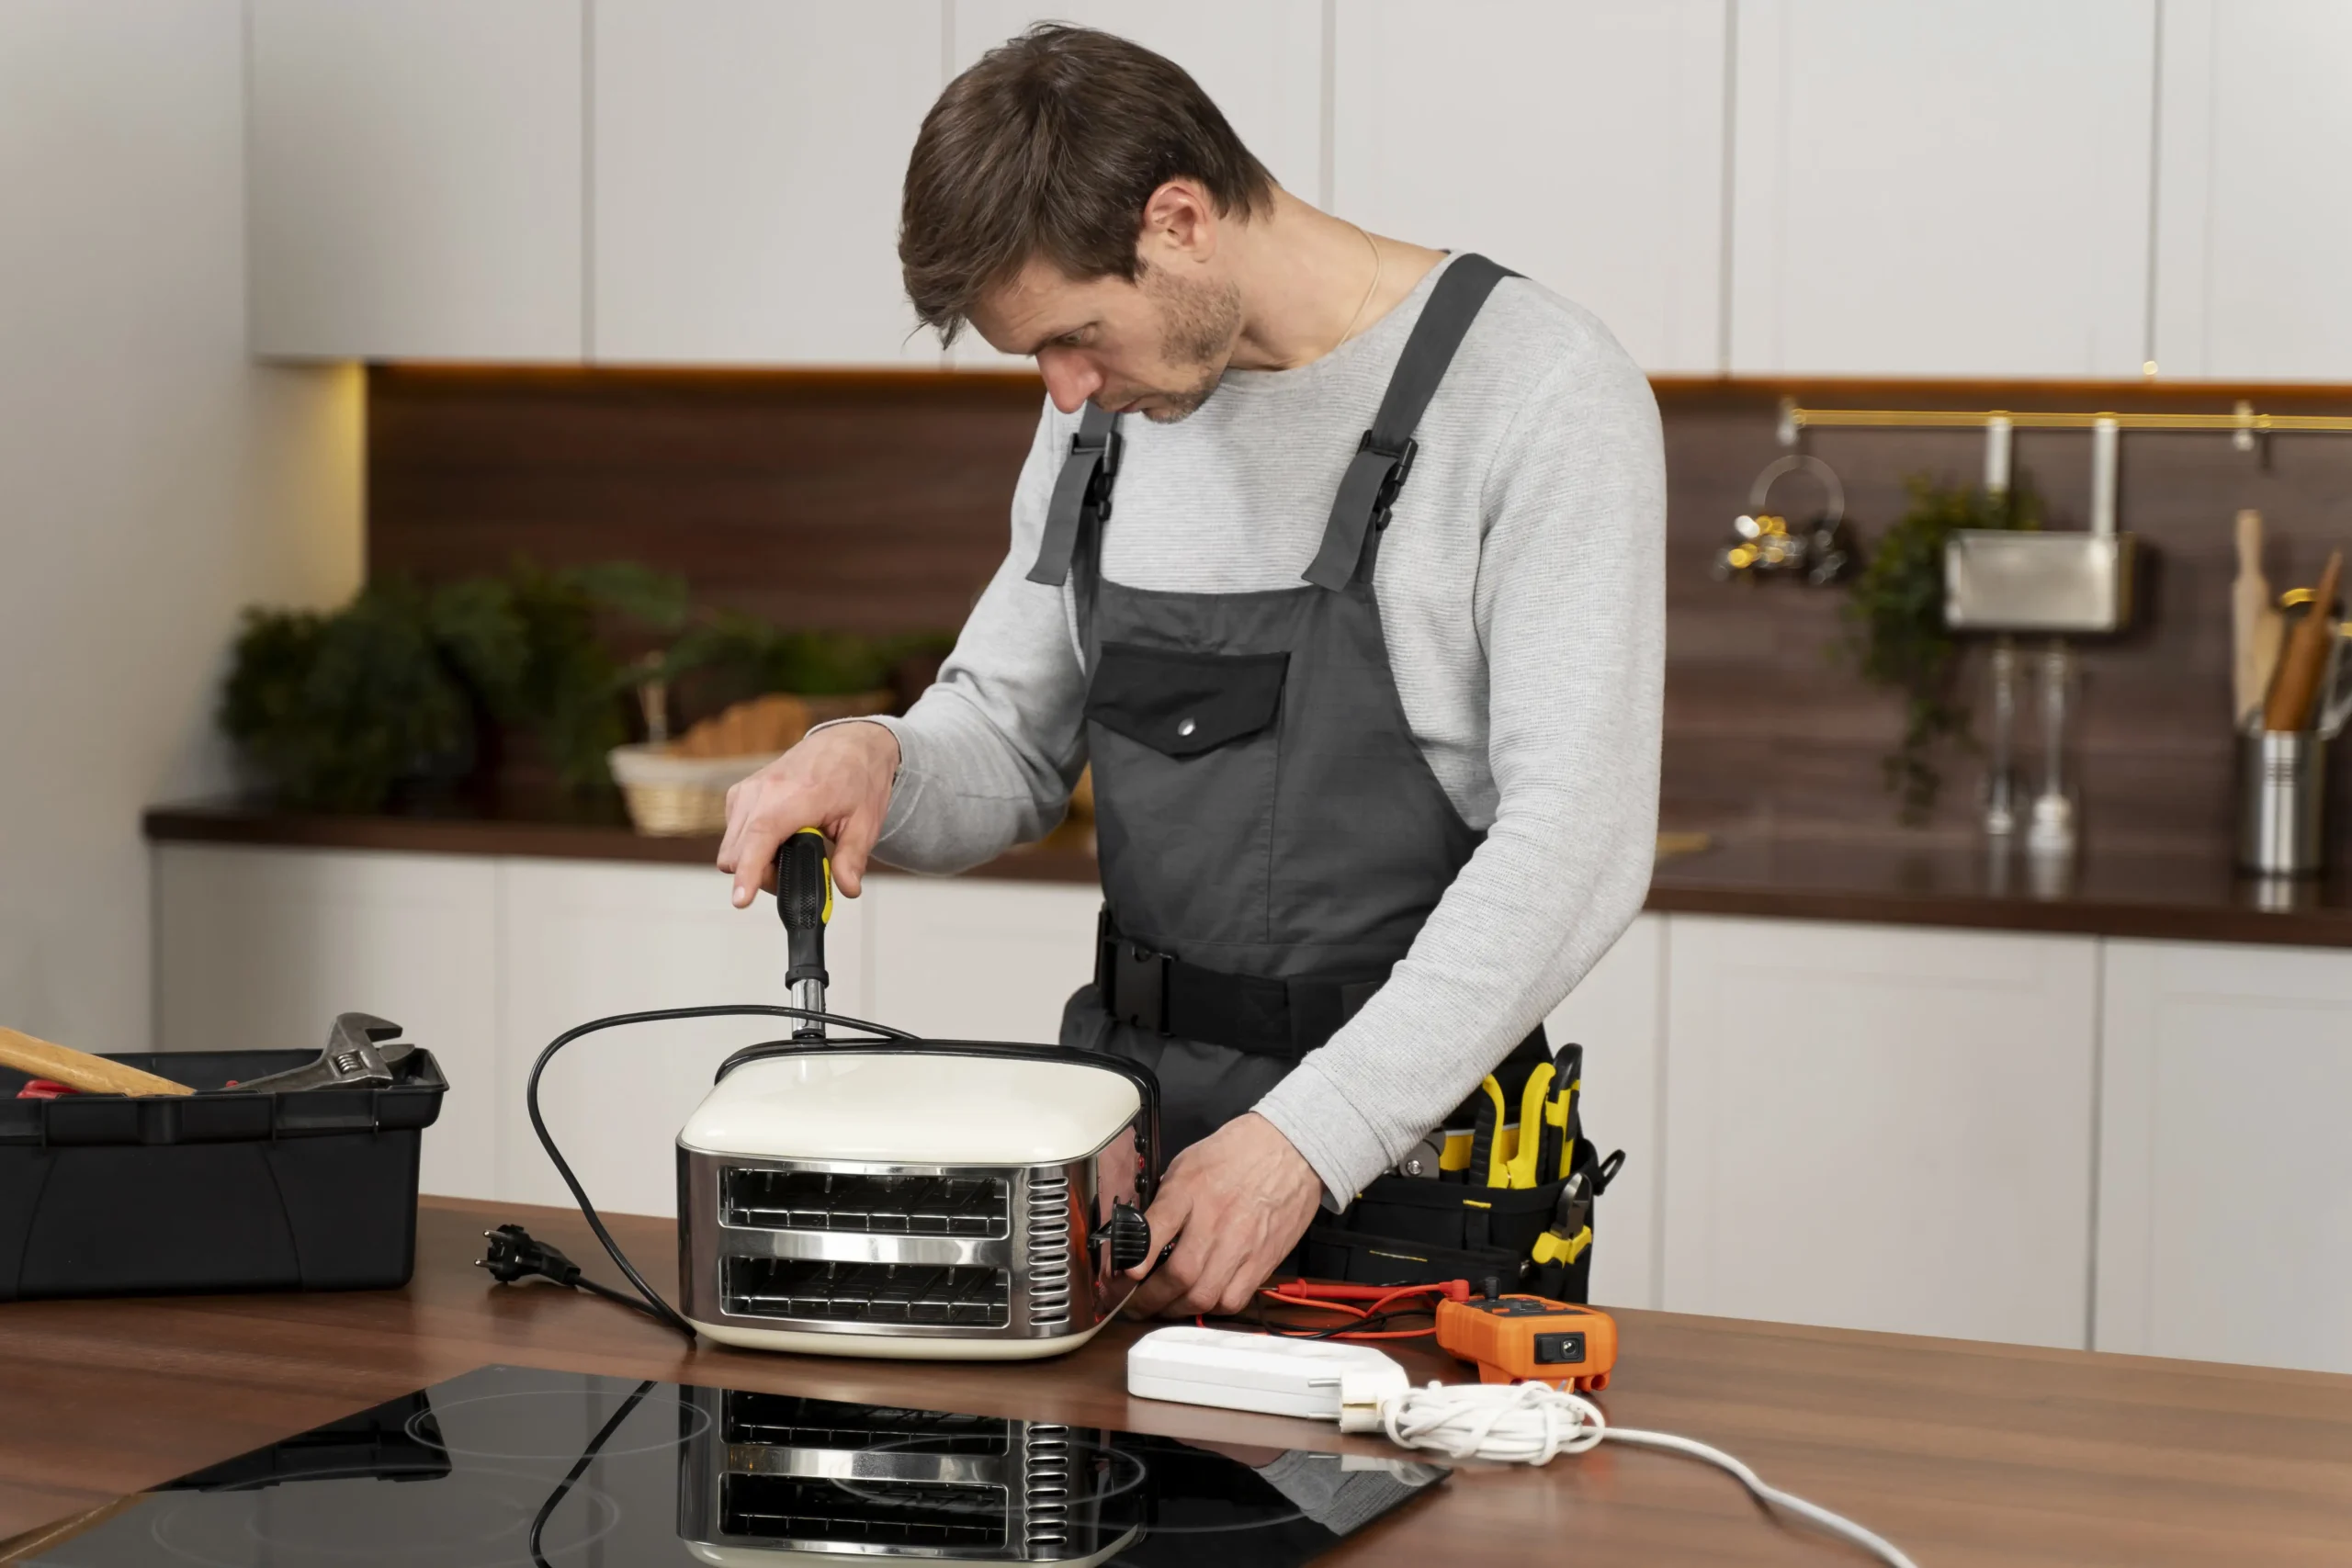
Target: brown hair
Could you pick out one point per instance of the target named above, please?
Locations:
(1049, 147)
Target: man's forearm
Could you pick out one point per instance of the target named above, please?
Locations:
(965, 793)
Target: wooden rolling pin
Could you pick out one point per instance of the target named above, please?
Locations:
(79, 1069)
(2255, 626)
(2294, 691)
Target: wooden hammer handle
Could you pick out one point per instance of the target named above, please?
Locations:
(79, 1069)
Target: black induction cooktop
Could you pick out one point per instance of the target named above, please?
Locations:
(510, 1465)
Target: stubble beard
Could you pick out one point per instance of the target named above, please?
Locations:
(1198, 322)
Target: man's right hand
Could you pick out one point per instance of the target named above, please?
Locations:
(837, 780)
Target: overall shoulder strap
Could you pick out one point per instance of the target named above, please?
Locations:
(1081, 492)
(1384, 455)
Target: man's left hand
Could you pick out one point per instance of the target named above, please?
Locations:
(1235, 1203)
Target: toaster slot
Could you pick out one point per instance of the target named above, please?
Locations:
(791, 1420)
(979, 1206)
(906, 1514)
(958, 1295)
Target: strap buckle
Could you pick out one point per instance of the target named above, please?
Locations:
(1132, 978)
(1400, 465)
(1104, 450)
(1139, 993)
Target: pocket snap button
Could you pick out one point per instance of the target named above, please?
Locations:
(1186, 728)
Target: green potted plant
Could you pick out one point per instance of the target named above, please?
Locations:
(1895, 634)
(346, 710)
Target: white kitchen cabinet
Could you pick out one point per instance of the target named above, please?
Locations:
(1578, 142)
(415, 173)
(2225, 1194)
(1260, 61)
(1617, 1014)
(582, 939)
(1943, 189)
(1875, 1127)
(258, 949)
(969, 958)
(748, 157)
(2252, 227)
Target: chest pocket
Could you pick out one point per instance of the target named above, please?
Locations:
(1182, 705)
(1186, 752)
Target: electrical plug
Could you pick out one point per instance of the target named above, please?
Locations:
(514, 1253)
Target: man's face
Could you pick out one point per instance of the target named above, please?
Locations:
(1156, 346)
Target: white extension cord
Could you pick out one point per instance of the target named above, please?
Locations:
(1366, 1391)
(1527, 1423)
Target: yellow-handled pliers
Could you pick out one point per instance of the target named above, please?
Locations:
(1525, 1169)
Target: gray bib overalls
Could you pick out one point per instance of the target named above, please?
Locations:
(1272, 838)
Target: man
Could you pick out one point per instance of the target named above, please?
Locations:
(1365, 645)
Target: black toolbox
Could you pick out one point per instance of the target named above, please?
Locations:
(108, 1195)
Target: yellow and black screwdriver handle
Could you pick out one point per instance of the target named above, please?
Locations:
(804, 902)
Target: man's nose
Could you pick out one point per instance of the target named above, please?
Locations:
(1070, 379)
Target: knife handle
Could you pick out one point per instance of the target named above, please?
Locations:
(41, 1059)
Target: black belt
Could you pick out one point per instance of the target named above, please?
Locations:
(1164, 994)
(1288, 1019)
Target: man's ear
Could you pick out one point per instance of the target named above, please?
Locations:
(1179, 224)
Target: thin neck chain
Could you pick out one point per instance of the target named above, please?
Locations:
(1370, 288)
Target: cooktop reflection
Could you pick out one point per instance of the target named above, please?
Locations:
(514, 1466)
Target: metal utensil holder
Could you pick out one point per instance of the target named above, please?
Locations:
(2282, 793)
(2282, 783)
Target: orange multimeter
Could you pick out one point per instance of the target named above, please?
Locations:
(1530, 1339)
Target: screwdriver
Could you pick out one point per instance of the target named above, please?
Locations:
(804, 902)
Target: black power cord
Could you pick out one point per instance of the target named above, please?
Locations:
(513, 1255)
(588, 1456)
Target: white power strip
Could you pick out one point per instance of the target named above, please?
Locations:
(1366, 1391)
(1312, 1378)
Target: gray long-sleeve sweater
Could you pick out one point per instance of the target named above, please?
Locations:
(1521, 590)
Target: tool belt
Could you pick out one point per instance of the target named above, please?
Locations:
(1531, 1230)
(1535, 1236)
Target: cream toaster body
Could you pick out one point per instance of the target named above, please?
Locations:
(942, 1199)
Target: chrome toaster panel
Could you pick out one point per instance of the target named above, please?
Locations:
(778, 1472)
(922, 1251)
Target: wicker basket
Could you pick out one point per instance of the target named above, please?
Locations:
(668, 795)
(678, 795)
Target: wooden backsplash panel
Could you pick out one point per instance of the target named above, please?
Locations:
(877, 502)
(857, 503)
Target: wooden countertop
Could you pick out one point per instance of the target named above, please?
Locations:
(1962, 1453)
(1878, 878)
(2168, 897)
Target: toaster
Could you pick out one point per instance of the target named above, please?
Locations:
(955, 1199)
(882, 1194)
